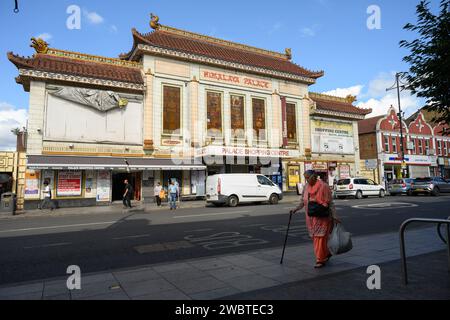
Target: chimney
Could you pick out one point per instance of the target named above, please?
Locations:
(21, 144)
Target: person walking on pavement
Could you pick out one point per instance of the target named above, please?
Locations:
(319, 228)
(47, 197)
(157, 192)
(173, 193)
(127, 195)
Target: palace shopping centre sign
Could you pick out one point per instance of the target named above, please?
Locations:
(246, 152)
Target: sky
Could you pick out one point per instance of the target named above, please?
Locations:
(357, 48)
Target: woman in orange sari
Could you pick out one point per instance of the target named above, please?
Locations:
(318, 228)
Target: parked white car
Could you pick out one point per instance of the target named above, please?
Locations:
(359, 188)
(232, 189)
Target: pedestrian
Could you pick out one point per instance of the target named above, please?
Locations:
(157, 192)
(47, 197)
(319, 228)
(173, 193)
(127, 195)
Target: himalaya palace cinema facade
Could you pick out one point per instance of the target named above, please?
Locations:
(182, 106)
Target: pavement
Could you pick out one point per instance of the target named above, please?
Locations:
(118, 208)
(257, 274)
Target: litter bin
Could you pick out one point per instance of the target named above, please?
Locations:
(8, 203)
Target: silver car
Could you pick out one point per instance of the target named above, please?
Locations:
(400, 186)
(429, 185)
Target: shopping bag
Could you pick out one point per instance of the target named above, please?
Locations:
(339, 241)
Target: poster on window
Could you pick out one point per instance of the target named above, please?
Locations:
(344, 172)
(89, 185)
(103, 186)
(31, 184)
(198, 183)
(69, 184)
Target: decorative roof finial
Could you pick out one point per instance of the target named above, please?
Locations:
(350, 98)
(288, 53)
(39, 45)
(154, 22)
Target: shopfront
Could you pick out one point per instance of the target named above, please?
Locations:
(272, 163)
(94, 181)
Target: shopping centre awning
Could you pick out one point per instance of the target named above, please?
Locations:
(38, 162)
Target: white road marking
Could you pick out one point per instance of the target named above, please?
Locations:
(387, 205)
(200, 230)
(209, 214)
(255, 225)
(133, 237)
(49, 245)
(59, 227)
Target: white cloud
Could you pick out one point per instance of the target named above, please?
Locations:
(10, 118)
(44, 36)
(93, 17)
(344, 92)
(309, 31)
(377, 98)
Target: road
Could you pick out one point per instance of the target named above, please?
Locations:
(43, 247)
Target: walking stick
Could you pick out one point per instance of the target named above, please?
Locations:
(285, 240)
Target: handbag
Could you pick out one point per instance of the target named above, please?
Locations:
(339, 241)
(317, 210)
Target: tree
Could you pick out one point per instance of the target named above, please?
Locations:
(429, 73)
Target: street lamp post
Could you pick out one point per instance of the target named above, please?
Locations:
(400, 117)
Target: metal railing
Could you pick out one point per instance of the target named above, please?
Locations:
(440, 233)
(439, 223)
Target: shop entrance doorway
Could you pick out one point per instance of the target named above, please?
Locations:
(118, 187)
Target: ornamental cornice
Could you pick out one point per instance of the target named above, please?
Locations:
(222, 63)
(85, 80)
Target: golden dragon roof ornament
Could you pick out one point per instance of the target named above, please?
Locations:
(154, 23)
(39, 45)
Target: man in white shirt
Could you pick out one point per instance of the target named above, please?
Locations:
(157, 193)
(47, 197)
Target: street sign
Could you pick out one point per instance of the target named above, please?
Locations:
(371, 164)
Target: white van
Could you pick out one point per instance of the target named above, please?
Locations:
(232, 189)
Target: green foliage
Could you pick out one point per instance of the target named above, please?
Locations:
(429, 59)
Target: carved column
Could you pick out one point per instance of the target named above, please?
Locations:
(195, 133)
(148, 112)
(275, 141)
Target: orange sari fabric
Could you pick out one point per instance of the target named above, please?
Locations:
(320, 193)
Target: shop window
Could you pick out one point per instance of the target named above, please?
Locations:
(259, 118)
(427, 146)
(171, 110)
(291, 122)
(214, 113)
(237, 117)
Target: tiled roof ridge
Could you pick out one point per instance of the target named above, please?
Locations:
(144, 37)
(218, 41)
(92, 58)
(64, 65)
(322, 96)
